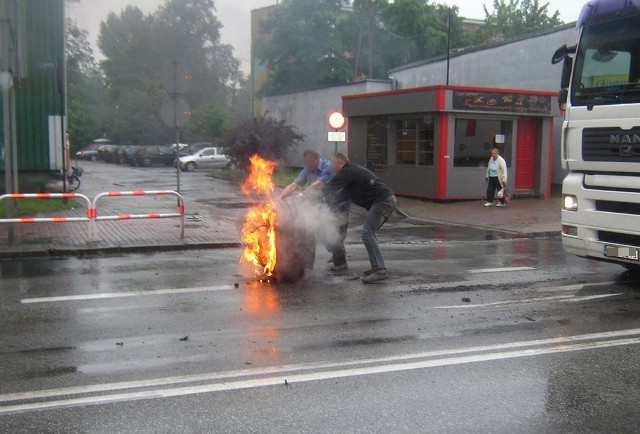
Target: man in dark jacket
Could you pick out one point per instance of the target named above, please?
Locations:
(362, 187)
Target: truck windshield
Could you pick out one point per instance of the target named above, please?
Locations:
(607, 68)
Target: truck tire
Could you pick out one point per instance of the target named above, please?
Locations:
(295, 242)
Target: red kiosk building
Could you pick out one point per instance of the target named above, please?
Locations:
(435, 142)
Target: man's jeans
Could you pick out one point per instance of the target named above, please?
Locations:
(377, 215)
(332, 233)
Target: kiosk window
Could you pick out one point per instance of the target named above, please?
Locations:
(415, 141)
(474, 139)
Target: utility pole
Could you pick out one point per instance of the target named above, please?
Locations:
(8, 54)
(448, 44)
(370, 40)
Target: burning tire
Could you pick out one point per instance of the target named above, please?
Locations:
(295, 242)
(278, 237)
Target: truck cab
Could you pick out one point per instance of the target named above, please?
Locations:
(601, 134)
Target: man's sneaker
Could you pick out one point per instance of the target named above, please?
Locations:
(499, 204)
(488, 204)
(376, 276)
(342, 267)
(368, 272)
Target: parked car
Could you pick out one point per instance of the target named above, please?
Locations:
(195, 147)
(124, 155)
(90, 152)
(106, 153)
(206, 158)
(179, 148)
(192, 149)
(147, 156)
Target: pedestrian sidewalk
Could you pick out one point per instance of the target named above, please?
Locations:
(211, 225)
(531, 217)
(204, 228)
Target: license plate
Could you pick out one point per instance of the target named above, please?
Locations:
(621, 252)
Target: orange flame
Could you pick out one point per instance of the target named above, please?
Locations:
(259, 228)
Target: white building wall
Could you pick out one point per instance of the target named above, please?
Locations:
(520, 64)
(308, 111)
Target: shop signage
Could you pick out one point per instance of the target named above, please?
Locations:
(337, 136)
(501, 102)
(377, 144)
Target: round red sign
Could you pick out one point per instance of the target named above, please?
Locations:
(336, 120)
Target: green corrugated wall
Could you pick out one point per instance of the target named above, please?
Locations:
(38, 96)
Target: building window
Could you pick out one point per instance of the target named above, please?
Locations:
(474, 139)
(414, 141)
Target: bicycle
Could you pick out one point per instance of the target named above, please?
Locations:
(73, 179)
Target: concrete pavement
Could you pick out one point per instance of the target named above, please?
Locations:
(531, 217)
(214, 222)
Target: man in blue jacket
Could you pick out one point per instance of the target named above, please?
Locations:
(362, 187)
(332, 231)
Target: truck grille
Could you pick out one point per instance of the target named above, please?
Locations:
(618, 238)
(618, 207)
(611, 144)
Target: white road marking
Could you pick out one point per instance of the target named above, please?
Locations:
(500, 270)
(592, 297)
(321, 371)
(107, 295)
(503, 303)
(561, 298)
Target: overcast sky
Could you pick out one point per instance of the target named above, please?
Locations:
(235, 16)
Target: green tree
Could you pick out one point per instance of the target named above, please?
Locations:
(417, 30)
(209, 122)
(304, 49)
(314, 43)
(136, 46)
(85, 88)
(513, 18)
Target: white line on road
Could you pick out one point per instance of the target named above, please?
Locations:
(500, 270)
(107, 295)
(561, 298)
(321, 371)
(591, 297)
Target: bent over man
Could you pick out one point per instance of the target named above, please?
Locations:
(332, 230)
(315, 174)
(363, 188)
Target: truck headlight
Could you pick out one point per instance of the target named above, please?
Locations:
(570, 202)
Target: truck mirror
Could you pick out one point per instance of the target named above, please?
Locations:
(560, 54)
(566, 72)
(563, 96)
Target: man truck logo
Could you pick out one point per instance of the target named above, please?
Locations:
(627, 141)
(622, 139)
(626, 151)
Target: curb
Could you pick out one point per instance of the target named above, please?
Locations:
(539, 234)
(114, 250)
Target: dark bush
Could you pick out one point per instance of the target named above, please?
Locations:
(266, 137)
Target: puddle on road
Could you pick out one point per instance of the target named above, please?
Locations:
(443, 233)
(49, 372)
(227, 205)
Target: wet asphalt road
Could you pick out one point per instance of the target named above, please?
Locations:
(475, 332)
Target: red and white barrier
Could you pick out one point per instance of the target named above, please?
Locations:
(95, 217)
(47, 196)
(92, 208)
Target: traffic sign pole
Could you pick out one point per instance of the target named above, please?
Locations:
(337, 121)
(175, 110)
(175, 69)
